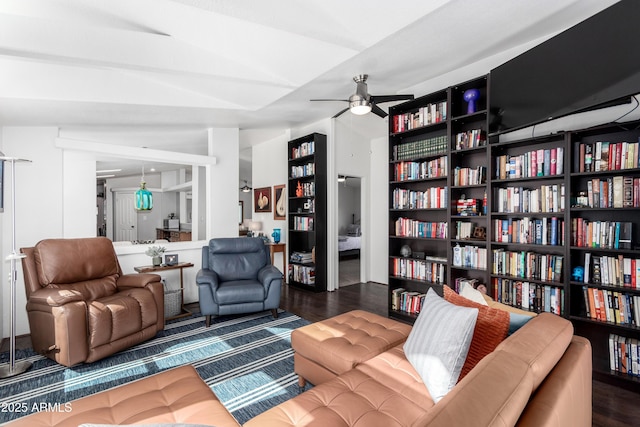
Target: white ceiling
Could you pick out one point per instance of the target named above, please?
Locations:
(127, 67)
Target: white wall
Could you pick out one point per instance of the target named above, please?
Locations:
(270, 168)
(378, 211)
(223, 200)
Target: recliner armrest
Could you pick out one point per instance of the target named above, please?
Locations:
(208, 277)
(268, 274)
(137, 280)
(53, 297)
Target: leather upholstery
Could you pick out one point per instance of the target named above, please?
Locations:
(175, 396)
(237, 277)
(81, 307)
(334, 346)
(539, 376)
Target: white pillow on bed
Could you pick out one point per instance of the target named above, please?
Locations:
(353, 230)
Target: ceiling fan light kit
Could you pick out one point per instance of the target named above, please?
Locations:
(361, 102)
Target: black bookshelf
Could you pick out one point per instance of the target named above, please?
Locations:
(307, 191)
(423, 135)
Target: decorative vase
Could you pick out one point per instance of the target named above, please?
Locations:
(157, 261)
(471, 95)
(276, 235)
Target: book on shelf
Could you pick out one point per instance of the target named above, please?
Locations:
(526, 295)
(302, 274)
(601, 234)
(305, 149)
(470, 139)
(547, 198)
(424, 116)
(624, 355)
(606, 156)
(538, 231)
(417, 269)
(410, 170)
(527, 265)
(470, 257)
(607, 305)
(431, 198)
(301, 257)
(408, 227)
(421, 148)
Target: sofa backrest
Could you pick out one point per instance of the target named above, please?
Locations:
(236, 258)
(540, 343)
(88, 265)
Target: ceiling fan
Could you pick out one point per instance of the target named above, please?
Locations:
(362, 102)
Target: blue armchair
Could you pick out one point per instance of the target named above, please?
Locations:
(237, 277)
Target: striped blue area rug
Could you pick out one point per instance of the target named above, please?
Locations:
(246, 360)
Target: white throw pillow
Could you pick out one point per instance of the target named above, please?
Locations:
(469, 292)
(439, 342)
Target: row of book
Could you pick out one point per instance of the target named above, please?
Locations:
(601, 234)
(304, 149)
(428, 115)
(302, 223)
(611, 270)
(422, 148)
(430, 270)
(624, 355)
(431, 198)
(527, 265)
(547, 198)
(407, 227)
(525, 295)
(407, 171)
(606, 156)
(613, 192)
(302, 274)
(611, 306)
(303, 170)
(471, 139)
(407, 301)
(534, 231)
(534, 163)
(465, 230)
(469, 176)
(470, 257)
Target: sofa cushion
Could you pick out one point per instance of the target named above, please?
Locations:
(490, 329)
(439, 342)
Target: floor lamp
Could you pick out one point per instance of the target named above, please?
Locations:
(13, 368)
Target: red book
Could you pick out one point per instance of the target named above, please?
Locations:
(554, 159)
(619, 157)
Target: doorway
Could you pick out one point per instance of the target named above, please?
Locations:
(349, 230)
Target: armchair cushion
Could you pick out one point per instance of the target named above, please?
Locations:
(240, 291)
(237, 258)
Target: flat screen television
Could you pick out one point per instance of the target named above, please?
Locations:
(591, 65)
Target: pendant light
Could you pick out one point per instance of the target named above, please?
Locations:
(144, 197)
(246, 187)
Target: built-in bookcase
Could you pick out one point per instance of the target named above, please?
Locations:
(307, 214)
(547, 223)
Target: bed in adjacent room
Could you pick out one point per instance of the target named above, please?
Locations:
(349, 244)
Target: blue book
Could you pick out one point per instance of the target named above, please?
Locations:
(547, 162)
(554, 231)
(616, 239)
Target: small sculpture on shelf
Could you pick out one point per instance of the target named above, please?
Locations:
(578, 274)
(471, 96)
(405, 251)
(276, 235)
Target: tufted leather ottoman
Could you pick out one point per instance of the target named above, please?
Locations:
(326, 349)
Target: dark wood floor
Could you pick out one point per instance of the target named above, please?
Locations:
(612, 406)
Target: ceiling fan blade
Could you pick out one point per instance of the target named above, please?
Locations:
(378, 111)
(389, 98)
(339, 113)
(341, 100)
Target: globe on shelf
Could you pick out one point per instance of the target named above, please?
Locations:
(405, 251)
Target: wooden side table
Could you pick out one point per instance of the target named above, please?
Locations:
(181, 266)
(279, 247)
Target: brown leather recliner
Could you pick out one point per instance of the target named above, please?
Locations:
(81, 307)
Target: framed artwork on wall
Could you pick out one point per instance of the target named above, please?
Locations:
(280, 197)
(262, 199)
